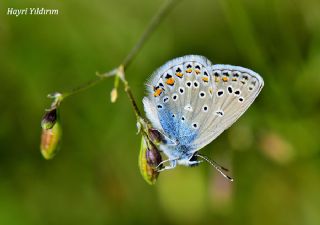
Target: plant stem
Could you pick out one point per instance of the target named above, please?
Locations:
(133, 102)
(88, 84)
(155, 21)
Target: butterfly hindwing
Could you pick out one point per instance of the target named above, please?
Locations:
(234, 90)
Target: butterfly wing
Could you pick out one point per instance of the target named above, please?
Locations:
(234, 90)
(171, 104)
(152, 113)
(192, 101)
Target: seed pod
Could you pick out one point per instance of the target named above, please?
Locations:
(50, 137)
(149, 159)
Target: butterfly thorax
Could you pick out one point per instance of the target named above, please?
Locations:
(181, 153)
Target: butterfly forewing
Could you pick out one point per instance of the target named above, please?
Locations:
(174, 91)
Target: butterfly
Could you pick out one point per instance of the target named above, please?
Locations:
(191, 102)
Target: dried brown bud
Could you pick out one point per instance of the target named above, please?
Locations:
(49, 119)
(155, 136)
(51, 133)
(153, 156)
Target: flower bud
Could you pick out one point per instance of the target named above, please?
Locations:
(49, 119)
(149, 159)
(51, 135)
(114, 95)
(153, 156)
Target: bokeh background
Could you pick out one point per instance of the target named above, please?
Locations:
(273, 151)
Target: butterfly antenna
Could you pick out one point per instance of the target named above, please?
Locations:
(219, 168)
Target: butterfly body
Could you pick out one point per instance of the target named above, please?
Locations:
(191, 102)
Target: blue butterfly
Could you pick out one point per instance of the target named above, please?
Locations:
(191, 102)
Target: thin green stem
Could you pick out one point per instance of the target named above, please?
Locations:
(132, 100)
(88, 84)
(82, 87)
(155, 21)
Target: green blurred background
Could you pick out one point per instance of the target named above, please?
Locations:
(273, 151)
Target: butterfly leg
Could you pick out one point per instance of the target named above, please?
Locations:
(194, 163)
(173, 164)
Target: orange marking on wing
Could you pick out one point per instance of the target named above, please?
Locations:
(157, 92)
(197, 71)
(179, 74)
(225, 79)
(170, 81)
(205, 79)
(189, 70)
